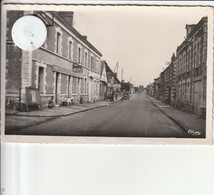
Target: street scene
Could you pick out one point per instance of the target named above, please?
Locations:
(97, 75)
(138, 117)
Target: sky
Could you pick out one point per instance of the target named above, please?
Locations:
(141, 39)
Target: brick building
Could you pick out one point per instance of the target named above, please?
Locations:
(167, 83)
(67, 67)
(191, 69)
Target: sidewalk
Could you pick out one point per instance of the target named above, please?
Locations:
(18, 120)
(193, 124)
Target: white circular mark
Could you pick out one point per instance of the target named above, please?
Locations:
(29, 32)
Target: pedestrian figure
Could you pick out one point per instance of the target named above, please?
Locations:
(50, 103)
(112, 96)
(81, 99)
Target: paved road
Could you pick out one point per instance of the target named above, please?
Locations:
(136, 117)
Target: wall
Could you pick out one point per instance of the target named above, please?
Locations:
(13, 62)
(191, 71)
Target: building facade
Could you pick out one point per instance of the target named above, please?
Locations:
(103, 82)
(150, 89)
(66, 68)
(166, 84)
(191, 69)
(157, 88)
(114, 85)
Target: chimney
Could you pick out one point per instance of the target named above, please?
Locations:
(84, 36)
(115, 74)
(173, 57)
(67, 16)
(189, 28)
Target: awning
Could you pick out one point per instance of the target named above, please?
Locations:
(66, 71)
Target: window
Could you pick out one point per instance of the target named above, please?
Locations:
(58, 40)
(92, 62)
(70, 50)
(79, 55)
(69, 81)
(187, 60)
(190, 59)
(85, 86)
(74, 86)
(86, 59)
(196, 55)
(197, 72)
(81, 86)
(78, 85)
(199, 52)
(97, 65)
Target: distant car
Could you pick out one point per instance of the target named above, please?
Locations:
(125, 96)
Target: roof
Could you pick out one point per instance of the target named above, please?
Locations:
(72, 29)
(109, 72)
(102, 66)
(187, 40)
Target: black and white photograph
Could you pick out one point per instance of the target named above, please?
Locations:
(136, 72)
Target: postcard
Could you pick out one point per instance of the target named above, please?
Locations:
(106, 74)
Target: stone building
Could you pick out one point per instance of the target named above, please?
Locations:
(191, 69)
(66, 68)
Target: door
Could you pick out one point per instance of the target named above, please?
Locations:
(197, 97)
(56, 88)
(90, 89)
(169, 95)
(69, 86)
(41, 80)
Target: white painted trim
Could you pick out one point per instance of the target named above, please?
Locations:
(46, 95)
(90, 62)
(41, 64)
(54, 84)
(70, 39)
(58, 30)
(86, 61)
(67, 80)
(37, 60)
(79, 46)
(59, 83)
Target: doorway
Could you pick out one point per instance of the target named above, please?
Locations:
(56, 87)
(197, 97)
(41, 80)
